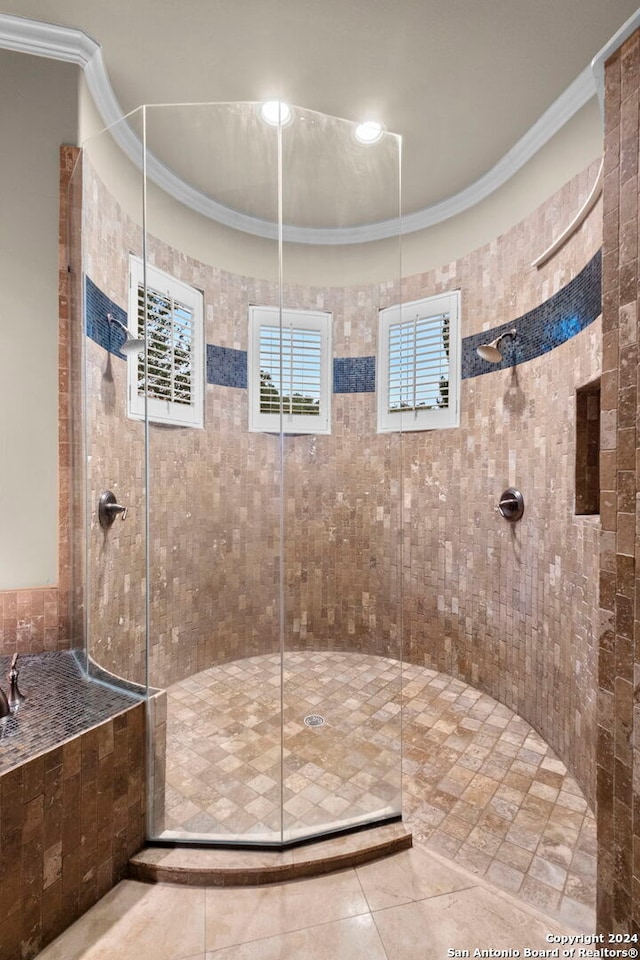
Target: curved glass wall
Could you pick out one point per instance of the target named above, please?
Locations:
(252, 589)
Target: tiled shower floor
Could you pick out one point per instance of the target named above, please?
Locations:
(479, 784)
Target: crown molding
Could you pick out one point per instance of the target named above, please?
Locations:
(46, 40)
(75, 46)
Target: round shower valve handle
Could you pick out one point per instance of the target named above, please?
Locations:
(511, 504)
(109, 508)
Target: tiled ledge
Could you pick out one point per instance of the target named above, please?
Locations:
(61, 702)
(240, 867)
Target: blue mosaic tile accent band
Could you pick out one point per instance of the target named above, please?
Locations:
(545, 327)
(97, 306)
(540, 330)
(354, 374)
(226, 367)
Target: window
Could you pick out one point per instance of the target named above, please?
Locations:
(289, 370)
(418, 367)
(175, 378)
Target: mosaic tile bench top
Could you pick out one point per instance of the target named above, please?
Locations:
(60, 704)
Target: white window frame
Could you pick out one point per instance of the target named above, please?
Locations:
(159, 410)
(289, 423)
(428, 418)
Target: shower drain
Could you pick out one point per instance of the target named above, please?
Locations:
(314, 720)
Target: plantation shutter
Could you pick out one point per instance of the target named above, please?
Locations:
(171, 389)
(293, 358)
(290, 369)
(419, 363)
(170, 335)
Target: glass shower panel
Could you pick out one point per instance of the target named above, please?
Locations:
(227, 399)
(214, 496)
(108, 447)
(341, 495)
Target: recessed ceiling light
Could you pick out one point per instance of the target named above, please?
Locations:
(369, 132)
(275, 112)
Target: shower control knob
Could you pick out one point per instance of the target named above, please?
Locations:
(109, 508)
(511, 504)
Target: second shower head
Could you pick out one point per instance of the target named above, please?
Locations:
(491, 351)
(132, 345)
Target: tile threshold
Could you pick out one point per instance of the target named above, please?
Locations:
(242, 867)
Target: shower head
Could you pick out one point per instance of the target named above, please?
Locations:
(132, 344)
(491, 351)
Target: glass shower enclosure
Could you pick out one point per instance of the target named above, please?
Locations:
(231, 267)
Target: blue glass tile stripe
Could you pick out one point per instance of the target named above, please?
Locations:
(540, 330)
(545, 327)
(97, 306)
(354, 374)
(226, 367)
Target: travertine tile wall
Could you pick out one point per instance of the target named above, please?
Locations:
(69, 821)
(618, 751)
(511, 609)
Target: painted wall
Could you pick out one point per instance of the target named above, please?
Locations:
(38, 112)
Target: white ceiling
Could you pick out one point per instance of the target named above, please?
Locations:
(461, 80)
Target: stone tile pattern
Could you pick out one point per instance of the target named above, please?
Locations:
(508, 608)
(60, 703)
(480, 786)
(30, 620)
(69, 820)
(618, 755)
(225, 743)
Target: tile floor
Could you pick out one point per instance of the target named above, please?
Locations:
(480, 786)
(230, 768)
(412, 906)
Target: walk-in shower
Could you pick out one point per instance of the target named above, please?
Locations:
(253, 590)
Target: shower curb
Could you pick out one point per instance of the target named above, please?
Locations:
(239, 867)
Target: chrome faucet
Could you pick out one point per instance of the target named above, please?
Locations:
(9, 704)
(15, 698)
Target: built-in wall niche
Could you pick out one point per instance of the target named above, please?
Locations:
(588, 448)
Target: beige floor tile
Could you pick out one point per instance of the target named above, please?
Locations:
(136, 920)
(466, 920)
(237, 915)
(355, 938)
(405, 877)
(480, 787)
